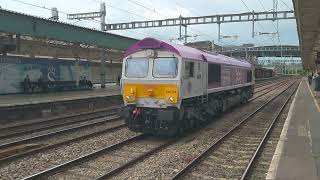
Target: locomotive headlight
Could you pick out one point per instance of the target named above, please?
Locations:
(129, 93)
(171, 100)
(171, 95)
(129, 98)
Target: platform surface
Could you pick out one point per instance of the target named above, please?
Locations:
(26, 99)
(298, 149)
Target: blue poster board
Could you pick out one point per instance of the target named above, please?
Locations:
(13, 70)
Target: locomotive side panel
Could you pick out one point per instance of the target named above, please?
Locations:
(226, 76)
(192, 75)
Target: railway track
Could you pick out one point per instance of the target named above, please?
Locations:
(232, 155)
(90, 160)
(22, 129)
(264, 82)
(35, 144)
(90, 169)
(164, 164)
(268, 89)
(112, 171)
(113, 158)
(38, 161)
(270, 85)
(260, 166)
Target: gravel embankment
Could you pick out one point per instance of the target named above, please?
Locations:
(41, 161)
(94, 168)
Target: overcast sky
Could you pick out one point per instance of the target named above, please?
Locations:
(127, 10)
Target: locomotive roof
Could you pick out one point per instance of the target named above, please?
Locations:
(185, 52)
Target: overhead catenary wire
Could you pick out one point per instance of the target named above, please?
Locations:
(129, 12)
(249, 11)
(35, 5)
(207, 35)
(132, 13)
(91, 20)
(286, 5)
(258, 21)
(153, 10)
(187, 8)
(138, 15)
(149, 9)
(266, 10)
(42, 7)
(145, 7)
(260, 2)
(167, 17)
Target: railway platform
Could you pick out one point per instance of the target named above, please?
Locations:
(40, 105)
(36, 98)
(298, 149)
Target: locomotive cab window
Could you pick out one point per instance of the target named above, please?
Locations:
(137, 67)
(189, 69)
(214, 75)
(166, 67)
(249, 76)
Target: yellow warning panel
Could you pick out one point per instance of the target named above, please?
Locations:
(169, 92)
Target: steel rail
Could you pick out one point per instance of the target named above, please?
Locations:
(270, 85)
(58, 168)
(264, 93)
(220, 140)
(135, 160)
(265, 137)
(262, 83)
(25, 140)
(54, 145)
(112, 172)
(266, 83)
(60, 124)
(25, 123)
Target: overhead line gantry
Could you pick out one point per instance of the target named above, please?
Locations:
(212, 19)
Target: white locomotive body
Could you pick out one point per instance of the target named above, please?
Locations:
(168, 88)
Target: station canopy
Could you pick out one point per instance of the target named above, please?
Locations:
(308, 22)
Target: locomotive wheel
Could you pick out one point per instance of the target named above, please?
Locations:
(176, 127)
(184, 121)
(172, 131)
(220, 107)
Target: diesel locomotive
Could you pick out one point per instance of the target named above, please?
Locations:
(168, 88)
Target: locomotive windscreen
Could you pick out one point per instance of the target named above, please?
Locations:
(137, 67)
(165, 67)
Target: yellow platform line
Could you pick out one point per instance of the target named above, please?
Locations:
(313, 96)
